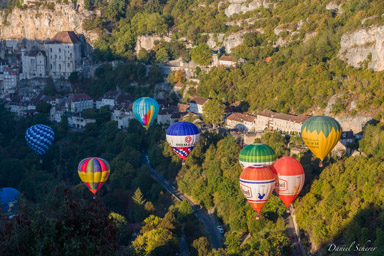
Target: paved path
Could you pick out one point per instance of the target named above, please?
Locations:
(214, 235)
(297, 248)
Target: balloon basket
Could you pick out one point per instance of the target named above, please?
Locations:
(321, 164)
(257, 217)
(288, 211)
(41, 161)
(94, 197)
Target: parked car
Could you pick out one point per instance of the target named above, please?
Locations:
(220, 229)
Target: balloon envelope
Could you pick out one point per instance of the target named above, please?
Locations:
(257, 154)
(291, 177)
(39, 138)
(9, 200)
(320, 134)
(257, 184)
(183, 137)
(94, 171)
(145, 110)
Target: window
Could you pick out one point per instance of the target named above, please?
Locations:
(59, 49)
(50, 49)
(59, 66)
(68, 65)
(55, 56)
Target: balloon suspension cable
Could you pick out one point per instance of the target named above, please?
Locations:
(321, 164)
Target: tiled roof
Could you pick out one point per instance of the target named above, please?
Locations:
(182, 107)
(347, 135)
(241, 117)
(282, 116)
(65, 37)
(79, 97)
(199, 100)
(227, 58)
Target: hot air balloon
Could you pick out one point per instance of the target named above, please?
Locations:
(145, 110)
(9, 200)
(257, 184)
(257, 155)
(320, 134)
(94, 171)
(39, 138)
(182, 137)
(291, 177)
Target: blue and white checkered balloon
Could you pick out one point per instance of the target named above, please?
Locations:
(39, 138)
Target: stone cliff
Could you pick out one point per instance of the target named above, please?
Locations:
(41, 23)
(364, 48)
(242, 6)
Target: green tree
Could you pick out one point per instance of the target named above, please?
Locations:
(201, 246)
(213, 112)
(185, 210)
(162, 55)
(201, 55)
(43, 107)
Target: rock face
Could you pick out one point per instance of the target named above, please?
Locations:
(229, 42)
(241, 6)
(41, 23)
(354, 123)
(148, 42)
(364, 46)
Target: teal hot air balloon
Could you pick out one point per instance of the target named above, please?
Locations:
(145, 110)
(257, 155)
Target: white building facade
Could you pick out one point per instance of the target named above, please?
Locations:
(34, 64)
(64, 54)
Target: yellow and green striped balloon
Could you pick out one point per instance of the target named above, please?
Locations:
(321, 134)
(257, 155)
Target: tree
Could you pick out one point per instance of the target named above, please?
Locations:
(201, 246)
(144, 56)
(155, 75)
(43, 107)
(153, 6)
(139, 211)
(201, 55)
(185, 210)
(149, 207)
(138, 197)
(162, 55)
(110, 130)
(213, 112)
(115, 9)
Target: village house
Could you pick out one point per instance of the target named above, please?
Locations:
(122, 113)
(241, 121)
(279, 121)
(76, 103)
(10, 79)
(347, 137)
(227, 61)
(182, 108)
(79, 122)
(113, 98)
(196, 105)
(34, 64)
(64, 54)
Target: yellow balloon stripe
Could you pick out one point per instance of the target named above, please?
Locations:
(94, 177)
(318, 143)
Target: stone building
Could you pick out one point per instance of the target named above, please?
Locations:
(196, 105)
(34, 64)
(279, 121)
(76, 103)
(241, 121)
(10, 79)
(227, 61)
(64, 54)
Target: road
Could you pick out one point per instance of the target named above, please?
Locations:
(296, 246)
(214, 235)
